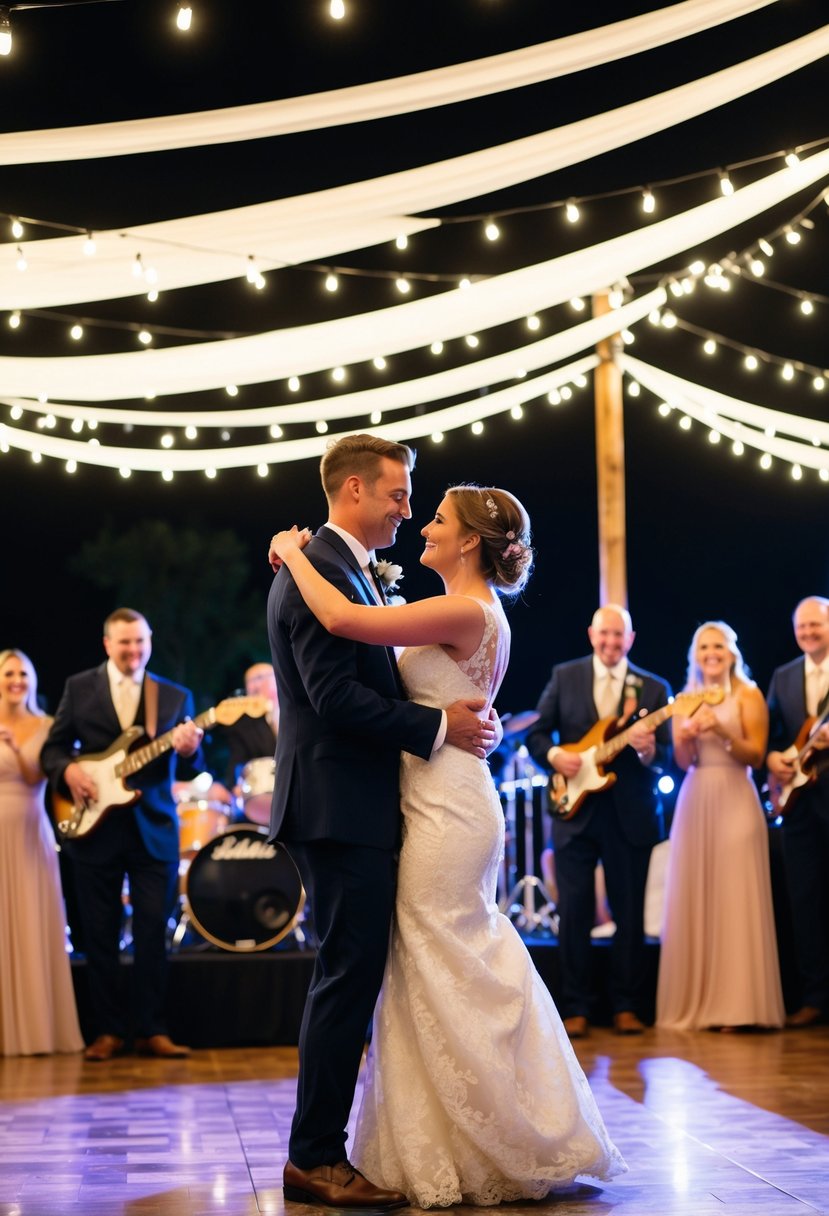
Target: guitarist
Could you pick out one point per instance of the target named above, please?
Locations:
(799, 691)
(139, 841)
(617, 826)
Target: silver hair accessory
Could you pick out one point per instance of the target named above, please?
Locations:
(489, 503)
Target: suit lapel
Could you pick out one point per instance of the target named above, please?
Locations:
(103, 695)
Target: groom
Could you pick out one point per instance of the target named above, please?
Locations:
(336, 806)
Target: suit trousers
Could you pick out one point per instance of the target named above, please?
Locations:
(626, 873)
(350, 890)
(152, 890)
(806, 859)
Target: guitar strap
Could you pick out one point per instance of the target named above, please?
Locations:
(150, 706)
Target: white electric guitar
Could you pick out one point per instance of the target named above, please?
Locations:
(600, 745)
(109, 769)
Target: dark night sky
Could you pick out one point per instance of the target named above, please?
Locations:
(708, 535)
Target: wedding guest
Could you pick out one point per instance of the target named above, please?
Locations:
(718, 964)
(37, 1000)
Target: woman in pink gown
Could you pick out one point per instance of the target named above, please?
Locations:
(718, 965)
(37, 1000)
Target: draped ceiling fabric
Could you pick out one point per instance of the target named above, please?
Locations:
(754, 425)
(466, 378)
(379, 99)
(210, 248)
(159, 460)
(270, 356)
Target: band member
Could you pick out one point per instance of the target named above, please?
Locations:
(618, 826)
(254, 737)
(798, 697)
(139, 842)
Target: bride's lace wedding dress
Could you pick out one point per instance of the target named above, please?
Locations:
(473, 1093)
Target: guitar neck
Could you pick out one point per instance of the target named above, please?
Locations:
(151, 751)
(611, 748)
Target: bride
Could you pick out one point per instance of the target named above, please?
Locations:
(472, 1093)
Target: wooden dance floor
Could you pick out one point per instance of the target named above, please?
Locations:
(708, 1123)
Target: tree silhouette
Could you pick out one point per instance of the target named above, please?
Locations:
(195, 590)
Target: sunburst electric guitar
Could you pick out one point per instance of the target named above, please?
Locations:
(600, 745)
(110, 769)
(784, 794)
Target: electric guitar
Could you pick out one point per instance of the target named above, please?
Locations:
(110, 768)
(600, 745)
(783, 795)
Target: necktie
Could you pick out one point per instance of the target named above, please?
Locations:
(608, 696)
(378, 586)
(817, 691)
(125, 702)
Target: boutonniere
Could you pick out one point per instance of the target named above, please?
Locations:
(389, 575)
(632, 694)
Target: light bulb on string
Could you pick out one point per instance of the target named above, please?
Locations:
(232, 390)
(76, 426)
(472, 340)
(36, 457)
(726, 184)
(184, 17)
(797, 472)
(125, 471)
(17, 229)
(766, 247)
(648, 201)
(788, 371)
(464, 284)
(275, 431)
(819, 384)
(15, 413)
(376, 417)
(765, 461)
(696, 268)
(436, 348)
(477, 427)
(338, 374)
(152, 295)
(806, 306)
(437, 437)
(714, 436)
(634, 388)
(167, 440)
(572, 212)
(823, 474)
(517, 413)
(533, 322)
(709, 346)
(554, 397)
(793, 236)
(751, 363)
(403, 285)
(167, 475)
(664, 410)
(379, 362)
(262, 470)
(336, 9)
(577, 304)
(210, 474)
(71, 466)
(566, 392)
(5, 31)
(294, 384)
(331, 282)
(76, 332)
(792, 159)
(685, 422)
(191, 432)
(14, 319)
(401, 242)
(757, 267)
(737, 447)
(321, 427)
(492, 232)
(145, 337)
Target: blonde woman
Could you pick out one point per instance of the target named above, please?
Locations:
(718, 966)
(37, 1000)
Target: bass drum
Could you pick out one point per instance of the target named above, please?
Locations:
(243, 893)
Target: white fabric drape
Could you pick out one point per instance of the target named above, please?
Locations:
(409, 429)
(271, 356)
(466, 378)
(313, 227)
(379, 99)
(735, 419)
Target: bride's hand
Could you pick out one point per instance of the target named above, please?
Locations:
(283, 542)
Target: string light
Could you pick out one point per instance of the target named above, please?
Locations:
(477, 427)
(14, 319)
(492, 231)
(184, 16)
(577, 304)
(533, 322)
(294, 384)
(5, 31)
(401, 242)
(572, 212)
(648, 201)
(17, 228)
(275, 431)
(379, 362)
(145, 337)
(331, 282)
(436, 348)
(403, 285)
(76, 332)
(793, 236)
(232, 390)
(709, 346)
(726, 184)
(336, 9)
(806, 306)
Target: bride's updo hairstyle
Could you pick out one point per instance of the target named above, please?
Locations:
(504, 528)
(738, 672)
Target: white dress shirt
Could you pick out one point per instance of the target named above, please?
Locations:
(817, 684)
(125, 692)
(608, 683)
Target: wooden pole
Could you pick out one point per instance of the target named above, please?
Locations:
(610, 467)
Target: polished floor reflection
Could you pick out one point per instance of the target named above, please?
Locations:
(709, 1123)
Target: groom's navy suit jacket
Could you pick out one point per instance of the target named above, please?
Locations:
(343, 718)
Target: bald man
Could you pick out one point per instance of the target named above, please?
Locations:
(618, 826)
(799, 691)
(254, 738)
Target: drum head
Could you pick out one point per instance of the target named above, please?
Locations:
(243, 893)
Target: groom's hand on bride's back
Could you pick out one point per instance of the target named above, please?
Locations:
(472, 730)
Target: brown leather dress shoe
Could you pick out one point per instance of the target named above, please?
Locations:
(808, 1015)
(627, 1022)
(104, 1048)
(337, 1186)
(162, 1046)
(577, 1027)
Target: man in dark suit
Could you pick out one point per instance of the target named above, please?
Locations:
(344, 721)
(618, 826)
(139, 841)
(800, 690)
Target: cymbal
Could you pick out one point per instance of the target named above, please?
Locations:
(514, 724)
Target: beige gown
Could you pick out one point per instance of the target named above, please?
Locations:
(718, 963)
(37, 999)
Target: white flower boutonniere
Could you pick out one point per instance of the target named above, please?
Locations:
(389, 574)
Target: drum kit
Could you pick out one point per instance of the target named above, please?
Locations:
(238, 891)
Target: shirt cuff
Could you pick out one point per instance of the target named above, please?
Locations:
(440, 737)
